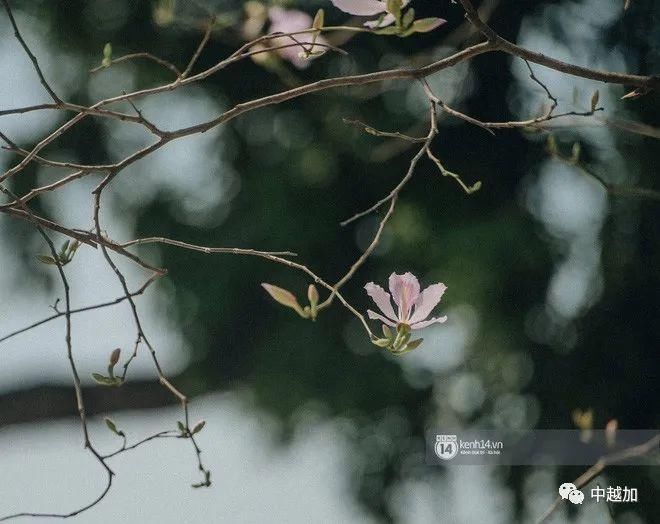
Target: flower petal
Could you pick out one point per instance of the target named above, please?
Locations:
(405, 291)
(360, 7)
(376, 316)
(428, 299)
(420, 325)
(291, 21)
(288, 20)
(382, 299)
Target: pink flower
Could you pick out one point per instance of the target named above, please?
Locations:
(368, 8)
(406, 294)
(292, 21)
(386, 18)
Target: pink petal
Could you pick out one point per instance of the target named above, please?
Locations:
(428, 299)
(295, 53)
(376, 316)
(291, 21)
(382, 299)
(420, 325)
(405, 291)
(288, 20)
(360, 7)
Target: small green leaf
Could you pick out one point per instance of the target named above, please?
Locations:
(45, 259)
(181, 426)
(198, 427)
(414, 344)
(424, 25)
(106, 381)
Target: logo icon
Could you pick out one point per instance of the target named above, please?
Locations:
(576, 496)
(569, 491)
(446, 446)
(565, 489)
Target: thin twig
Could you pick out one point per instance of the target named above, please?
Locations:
(200, 48)
(30, 54)
(93, 307)
(376, 132)
(133, 56)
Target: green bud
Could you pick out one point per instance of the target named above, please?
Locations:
(313, 294)
(313, 297)
(63, 249)
(394, 7)
(594, 100)
(107, 55)
(575, 153)
(284, 297)
(408, 19)
(113, 427)
(198, 427)
(114, 356)
(381, 342)
(319, 19)
(474, 187)
(402, 337)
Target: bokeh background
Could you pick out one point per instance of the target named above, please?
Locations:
(553, 286)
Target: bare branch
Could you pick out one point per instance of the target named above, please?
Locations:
(27, 50)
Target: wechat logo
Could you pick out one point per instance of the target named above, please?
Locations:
(569, 491)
